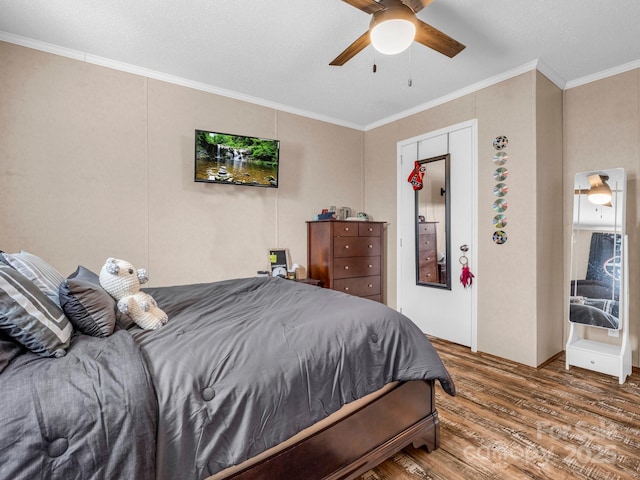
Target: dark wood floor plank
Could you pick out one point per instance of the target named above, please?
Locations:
(510, 421)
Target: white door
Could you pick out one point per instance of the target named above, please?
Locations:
(443, 313)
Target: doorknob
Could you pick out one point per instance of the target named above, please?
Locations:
(464, 248)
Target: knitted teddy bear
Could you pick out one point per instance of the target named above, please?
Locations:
(122, 282)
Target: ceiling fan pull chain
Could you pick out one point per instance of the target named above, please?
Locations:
(410, 81)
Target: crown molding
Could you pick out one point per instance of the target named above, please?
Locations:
(602, 75)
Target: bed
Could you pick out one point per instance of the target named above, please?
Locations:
(254, 378)
(593, 302)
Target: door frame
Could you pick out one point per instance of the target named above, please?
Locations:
(401, 183)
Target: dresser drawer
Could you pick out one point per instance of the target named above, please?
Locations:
(426, 243)
(360, 287)
(356, 246)
(369, 230)
(347, 267)
(345, 229)
(600, 358)
(426, 257)
(427, 228)
(428, 271)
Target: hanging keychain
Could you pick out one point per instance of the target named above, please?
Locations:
(466, 277)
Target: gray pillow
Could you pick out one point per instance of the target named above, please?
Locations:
(43, 275)
(29, 317)
(86, 304)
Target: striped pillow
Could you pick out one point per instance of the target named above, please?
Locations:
(27, 315)
(43, 275)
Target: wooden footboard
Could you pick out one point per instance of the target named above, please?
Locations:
(356, 443)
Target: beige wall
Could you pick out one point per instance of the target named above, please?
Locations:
(549, 219)
(602, 130)
(96, 163)
(513, 321)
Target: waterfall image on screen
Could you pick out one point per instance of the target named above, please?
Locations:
(236, 159)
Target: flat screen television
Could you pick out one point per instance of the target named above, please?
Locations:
(236, 159)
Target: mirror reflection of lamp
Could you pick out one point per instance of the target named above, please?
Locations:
(599, 193)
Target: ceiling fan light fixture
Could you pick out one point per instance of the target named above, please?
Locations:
(599, 193)
(392, 30)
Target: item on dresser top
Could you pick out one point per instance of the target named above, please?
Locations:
(345, 212)
(325, 216)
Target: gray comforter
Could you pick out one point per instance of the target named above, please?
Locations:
(241, 366)
(244, 364)
(88, 415)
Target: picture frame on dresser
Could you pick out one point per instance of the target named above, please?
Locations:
(279, 259)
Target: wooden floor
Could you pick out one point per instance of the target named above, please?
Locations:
(511, 422)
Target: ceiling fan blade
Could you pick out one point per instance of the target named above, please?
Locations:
(597, 179)
(352, 50)
(367, 6)
(416, 5)
(440, 42)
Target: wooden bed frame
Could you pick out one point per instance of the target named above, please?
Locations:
(360, 441)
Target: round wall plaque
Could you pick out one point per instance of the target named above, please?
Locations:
(500, 221)
(499, 237)
(500, 143)
(500, 158)
(500, 205)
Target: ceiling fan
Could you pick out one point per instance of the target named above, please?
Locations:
(599, 191)
(393, 16)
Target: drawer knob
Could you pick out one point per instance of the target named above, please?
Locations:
(346, 289)
(428, 259)
(370, 266)
(592, 362)
(370, 229)
(370, 286)
(346, 267)
(428, 274)
(370, 246)
(346, 246)
(346, 229)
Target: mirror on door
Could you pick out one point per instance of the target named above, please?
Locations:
(596, 253)
(432, 206)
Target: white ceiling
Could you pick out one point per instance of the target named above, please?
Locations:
(278, 52)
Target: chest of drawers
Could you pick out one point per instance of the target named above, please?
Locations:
(427, 253)
(347, 256)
